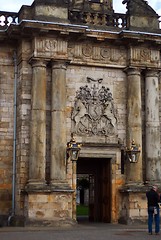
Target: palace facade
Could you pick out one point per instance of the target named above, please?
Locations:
(77, 68)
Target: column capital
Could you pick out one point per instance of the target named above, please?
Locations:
(132, 70)
(152, 72)
(38, 62)
(60, 63)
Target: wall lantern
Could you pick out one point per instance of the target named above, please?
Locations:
(133, 152)
(73, 149)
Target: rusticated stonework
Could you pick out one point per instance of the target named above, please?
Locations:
(94, 112)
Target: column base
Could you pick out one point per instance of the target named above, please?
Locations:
(58, 185)
(36, 185)
(134, 185)
(152, 183)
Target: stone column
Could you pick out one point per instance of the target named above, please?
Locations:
(58, 125)
(37, 160)
(134, 123)
(152, 126)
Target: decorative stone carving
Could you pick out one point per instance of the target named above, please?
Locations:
(105, 52)
(144, 55)
(141, 16)
(139, 7)
(94, 112)
(49, 48)
(95, 53)
(46, 44)
(87, 50)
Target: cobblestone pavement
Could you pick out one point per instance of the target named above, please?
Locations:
(78, 232)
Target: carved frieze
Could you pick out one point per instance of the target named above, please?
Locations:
(87, 50)
(105, 52)
(49, 47)
(144, 56)
(94, 112)
(95, 53)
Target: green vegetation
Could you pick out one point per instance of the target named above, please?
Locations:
(82, 210)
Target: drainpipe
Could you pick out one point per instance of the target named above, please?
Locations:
(12, 213)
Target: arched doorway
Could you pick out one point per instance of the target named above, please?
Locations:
(97, 197)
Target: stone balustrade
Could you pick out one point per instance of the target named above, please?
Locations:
(99, 19)
(6, 18)
(117, 20)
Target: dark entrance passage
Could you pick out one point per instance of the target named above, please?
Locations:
(96, 174)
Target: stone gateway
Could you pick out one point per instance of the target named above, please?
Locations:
(77, 68)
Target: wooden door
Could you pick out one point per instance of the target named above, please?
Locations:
(106, 192)
(99, 171)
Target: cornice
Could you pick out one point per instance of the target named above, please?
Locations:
(30, 28)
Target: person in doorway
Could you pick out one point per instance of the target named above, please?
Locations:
(153, 198)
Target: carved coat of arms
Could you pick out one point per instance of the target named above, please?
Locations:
(93, 112)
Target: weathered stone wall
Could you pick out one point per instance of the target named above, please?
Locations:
(50, 207)
(6, 126)
(133, 208)
(24, 81)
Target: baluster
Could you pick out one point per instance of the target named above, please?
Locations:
(95, 19)
(6, 20)
(14, 19)
(104, 21)
(124, 22)
(2, 18)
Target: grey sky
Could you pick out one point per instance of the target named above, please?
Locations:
(15, 5)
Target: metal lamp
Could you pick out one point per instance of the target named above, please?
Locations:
(73, 149)
(133, 152)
